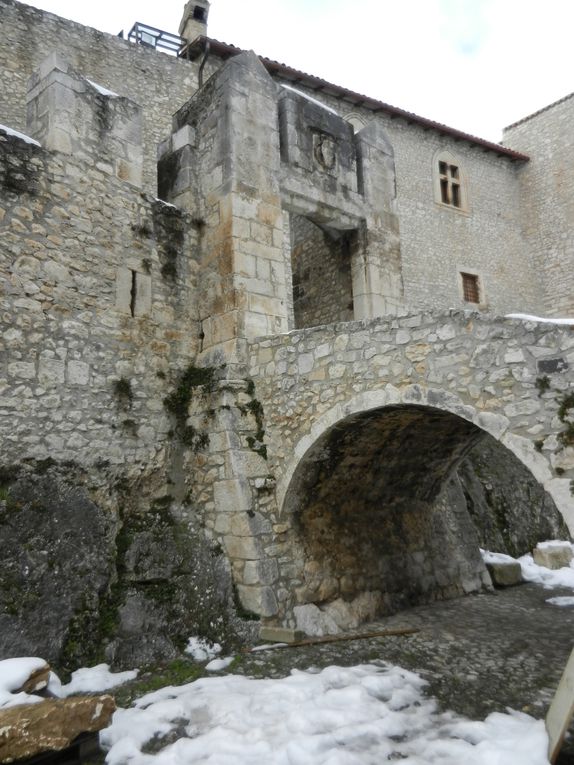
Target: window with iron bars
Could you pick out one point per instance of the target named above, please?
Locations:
(470, 288)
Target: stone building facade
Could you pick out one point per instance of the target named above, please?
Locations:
(249, 329)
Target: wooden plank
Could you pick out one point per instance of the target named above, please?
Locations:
(339, 638)
(561, 710)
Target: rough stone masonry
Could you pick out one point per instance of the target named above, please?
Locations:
(253, 393)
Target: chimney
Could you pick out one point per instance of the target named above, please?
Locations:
(194, 20)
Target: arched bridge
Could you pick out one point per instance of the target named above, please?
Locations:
(364, 423)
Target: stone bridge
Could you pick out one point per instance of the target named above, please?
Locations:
(331, 446)
(336, 512)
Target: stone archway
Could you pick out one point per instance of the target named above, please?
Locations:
(372, 522)
(497, 425)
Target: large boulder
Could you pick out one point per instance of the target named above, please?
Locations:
(57, 559)
(95, 568)
(51, 725)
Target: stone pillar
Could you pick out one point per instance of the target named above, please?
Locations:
(244, 529)
(69, 114)
(222, 164)
(376, 264)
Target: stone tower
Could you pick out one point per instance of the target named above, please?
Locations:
(194, 20)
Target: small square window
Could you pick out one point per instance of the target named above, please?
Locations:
(470, 288)
(199, 13)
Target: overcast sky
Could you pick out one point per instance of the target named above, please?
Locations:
(476, 65)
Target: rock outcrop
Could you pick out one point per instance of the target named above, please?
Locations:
(509, 508)
(50, 725)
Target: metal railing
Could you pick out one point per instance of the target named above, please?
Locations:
(143, 34)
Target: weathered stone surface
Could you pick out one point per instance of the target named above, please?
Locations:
(57, 559)
(50, 725)
(130, 590)
(331, 445)
(280, 635)
(509, 509)
(505, 573)
(313, 622)
(37, 681)
(553, 556)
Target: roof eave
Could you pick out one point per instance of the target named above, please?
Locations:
(197, 47)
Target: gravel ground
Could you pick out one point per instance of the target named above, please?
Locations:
(480, 654)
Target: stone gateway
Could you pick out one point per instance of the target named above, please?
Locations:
(255, 366)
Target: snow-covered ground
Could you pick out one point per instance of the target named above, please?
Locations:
(362, 715)
(340, 716)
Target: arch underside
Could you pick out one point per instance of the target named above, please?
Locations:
(372, 512)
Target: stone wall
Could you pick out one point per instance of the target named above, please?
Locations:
(211, 169)
(156, 81)
(108, 555)
(437, 242)
(321, 266)
(74, 241)
(547, 193)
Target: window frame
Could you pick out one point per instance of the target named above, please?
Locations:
(461, 271)
(450, 182)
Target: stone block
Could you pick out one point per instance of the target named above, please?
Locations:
(280, 635)
(243, 548)
(51, 372)
(22, 369)
(78, 373)
(261, 572)
(258, 600)
(505, 573)
(553, 556)
(232, 496)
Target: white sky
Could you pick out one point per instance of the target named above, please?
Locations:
(476, 65)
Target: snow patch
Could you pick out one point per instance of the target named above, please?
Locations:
(532, 572)
(565, 600)
(17, 134)
(310, 98)
(102, 90)
(549, 544)
(548, 578)
(216, 665)
(268, 647)
(539, 319)
(360, 715)
(494, 557)
(166, 204)
(96, 679)
(13, 675)
(15, 672)
(201, 649)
